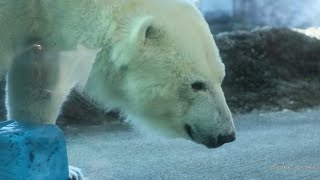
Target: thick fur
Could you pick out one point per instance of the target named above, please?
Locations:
(144, 54)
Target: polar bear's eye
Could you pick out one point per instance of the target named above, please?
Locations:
(148, 31)
(152, 33)
(198, 86)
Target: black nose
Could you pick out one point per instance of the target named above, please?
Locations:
(226, 138)
(222, 139)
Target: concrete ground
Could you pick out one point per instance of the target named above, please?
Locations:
(278, 145)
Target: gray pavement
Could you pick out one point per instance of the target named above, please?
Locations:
(278, 145)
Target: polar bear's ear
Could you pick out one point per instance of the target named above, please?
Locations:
(136, 34)
(139, 32)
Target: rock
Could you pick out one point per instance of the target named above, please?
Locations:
(32, 152)
(79, 109)
(271, 69)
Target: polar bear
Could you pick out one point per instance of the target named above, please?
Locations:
(156, 60)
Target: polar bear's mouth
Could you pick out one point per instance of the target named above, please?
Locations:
(188, 129)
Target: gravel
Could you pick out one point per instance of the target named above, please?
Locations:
(273, 145)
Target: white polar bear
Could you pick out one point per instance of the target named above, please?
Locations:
(156, 60)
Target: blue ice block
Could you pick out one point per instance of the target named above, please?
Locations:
(32, 152)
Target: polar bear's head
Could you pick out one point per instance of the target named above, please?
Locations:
(163, 69)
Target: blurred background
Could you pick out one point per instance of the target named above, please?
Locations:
(228, 15)
(271, 51)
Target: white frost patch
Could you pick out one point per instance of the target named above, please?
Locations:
(313, 32)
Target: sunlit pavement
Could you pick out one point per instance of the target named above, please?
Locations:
(282, 145)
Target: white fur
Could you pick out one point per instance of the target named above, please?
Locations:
(147, 54)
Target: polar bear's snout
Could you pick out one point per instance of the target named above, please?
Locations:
(208, 120)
